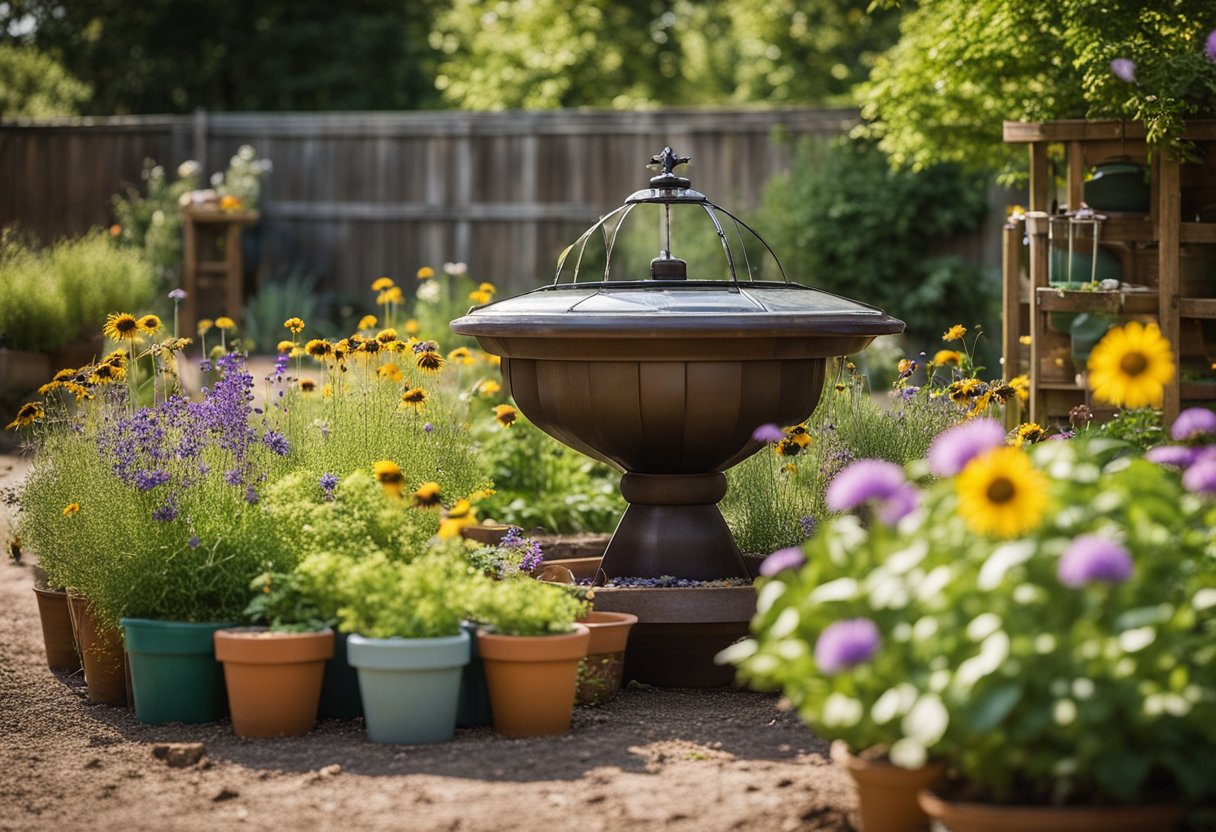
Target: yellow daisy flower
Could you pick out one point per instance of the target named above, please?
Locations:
(429, 361)
(491, 359)
(489, 387)
(368, 322)
(27, 414)
(389, 476)
(225, 323)
(426, 273)
(488, 288)
(480, 298)
(505, 415)
(382, 283)
(295, 325)
(389, 372)
(149, 324)
(427, 495)
(1131, 365)
(1028, 433)
(285, 347)
(456, 518)
(70, 509)
(461, 355)
(947, 358)
(415, 397)
(121, 326)
(386, 336)
(955, 333)
(319, 349)
(787, 447)
(1001, 493)
(204, 326)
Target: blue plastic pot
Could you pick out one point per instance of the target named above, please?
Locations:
(409, 686)
(174, 674)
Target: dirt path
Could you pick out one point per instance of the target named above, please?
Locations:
(652, 759)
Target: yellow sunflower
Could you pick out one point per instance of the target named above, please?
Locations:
(149, 324)
(427, 495)
(389, 476)
(505, 415)
(955, 333)
(295, 325)
(947, 358)
(382, 283)
(389, 372)
(1131, 365)
(121, 326)
(1001, 493)
(27, 414)
(426, 273)
(70, 509)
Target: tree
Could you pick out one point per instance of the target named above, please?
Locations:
(34, 85)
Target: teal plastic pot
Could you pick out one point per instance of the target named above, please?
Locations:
(473, 709)
(340, 687)
(174, 674)
(409, 686)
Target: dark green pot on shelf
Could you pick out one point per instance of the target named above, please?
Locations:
(174, 674)
(340, 686)
(473, 706)
(1118, 186)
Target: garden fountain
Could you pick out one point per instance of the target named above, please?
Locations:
(666, 377)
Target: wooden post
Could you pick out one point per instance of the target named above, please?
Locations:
(1040, 175)
(189, 310)
(1169, 214)
(1076, 176)
(1036, 227)
(1011, 305)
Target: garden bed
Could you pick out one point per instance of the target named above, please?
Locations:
(705, 760)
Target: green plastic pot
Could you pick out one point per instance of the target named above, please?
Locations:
(473, 709)
(340, 687)
(174, 673)
(409, 686)
(1119, 186)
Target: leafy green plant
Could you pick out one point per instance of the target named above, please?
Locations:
(150, 223)
(35, 85)
(426, 598)
(281, 602)
(291, 294)
(1041, 621)
(524, 607)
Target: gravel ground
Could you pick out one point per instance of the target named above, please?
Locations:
(651, 759)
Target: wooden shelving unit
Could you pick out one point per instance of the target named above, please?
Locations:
(213, 287)
(1149, 247)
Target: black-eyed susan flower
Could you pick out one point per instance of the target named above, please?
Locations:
(1028, 433)
(427, 495)
(121, 326)
(285, 347)
(799, 434)
(429, 361)
(225, 323)
(456, 518)
(955, 333)
(461, 355)
(425, 273)
(368, 322)
(947, 358)
(117, 358)
(382, 283)
(390, 296)
(105, 373)
(787, 447)
(965, 389)
(488, 288)
(64, 374)
(907, 366)
(1131, 365)
(319, 349)
(1021, 384)
(27, 414)
(294, 325)
(71, 509)
(415, 397)
(386, 336)
(489, 387)
(1001, 493)
(840, 388)
(505, 415)
(389, 372)
(480, 298)
(389, 476)
(368, 346)
(204, 326)
(307, 385)
(149, 324)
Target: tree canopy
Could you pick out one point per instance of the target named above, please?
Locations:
(35, 85)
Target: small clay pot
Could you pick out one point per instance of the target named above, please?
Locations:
(992, 817)
(273, 679)
(601, 672)
(101, 653)
(57, 635)
(886, 793)
(532, 680)
(486, 535)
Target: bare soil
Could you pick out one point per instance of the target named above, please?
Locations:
(651, 759)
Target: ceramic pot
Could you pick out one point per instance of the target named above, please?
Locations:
(886, 793)
(101, 653)
(532, 680)
(600, 673)
(174, 674)
(410, 686)
(473, 707)
(273, 679)
(57, 635)
(991, 817)
(340, 687)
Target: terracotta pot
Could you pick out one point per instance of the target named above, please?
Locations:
(174, 675)
(992, 817)
(273, 679)
(57, 634)
(601, 672)
(485, 534)
(532, 680)
(101, 653)
(886, 793)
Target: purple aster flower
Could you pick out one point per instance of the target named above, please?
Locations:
(1124, 69)
(1200, 478)
(428, 427)
(193, 541)
(1209, 48)
(233, 476)
(177, 294)
(514, 537)
(251, 496)
(908, 393)
(532, 558)
(1092, 557)
(276, 441)
(768, 432)
(808, 525)
(205, 366)
(147, 480)
(165, 513)
(844, 644)
(1193, 423)
(1176, 456)
(328, 483)
(782, 559)
(280, 364)
(955, 447)
(872, 481)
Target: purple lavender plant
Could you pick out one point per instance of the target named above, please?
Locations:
(328, 483)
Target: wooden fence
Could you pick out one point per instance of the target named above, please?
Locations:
(357, 195)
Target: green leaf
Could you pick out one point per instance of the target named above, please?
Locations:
(993, 705)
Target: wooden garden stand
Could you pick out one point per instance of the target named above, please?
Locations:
(213, 286)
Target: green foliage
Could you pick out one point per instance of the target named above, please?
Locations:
(962, 66)
(541, 482)
(151, 224)
(1031, 688)
(844, 220)
(423, 599)
(524, 607)
(35, 85)
(291, 294)
(156, 57)
(55, 296)
(281, 602)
